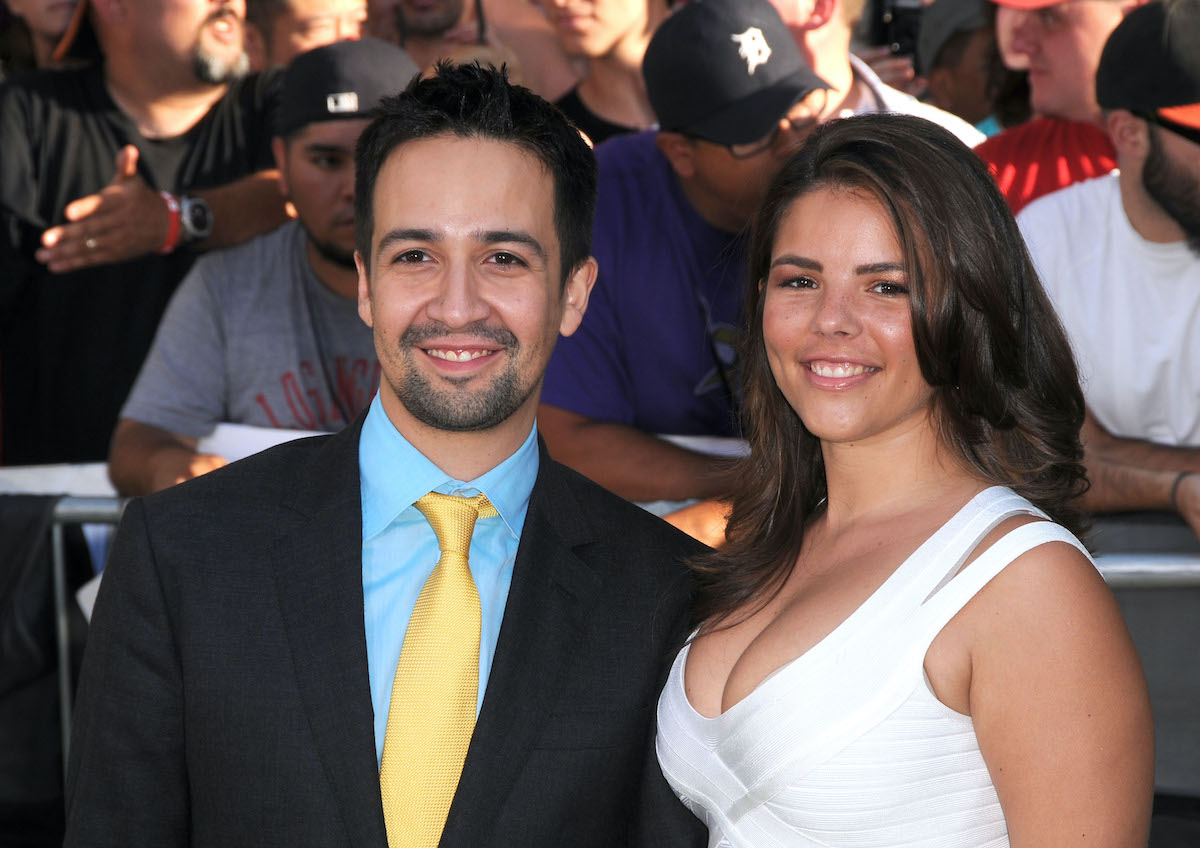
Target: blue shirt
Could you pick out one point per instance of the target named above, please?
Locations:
(400, 550)
(656, 349)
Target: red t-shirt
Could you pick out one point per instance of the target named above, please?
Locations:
(1044, 155)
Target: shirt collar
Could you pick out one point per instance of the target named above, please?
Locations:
(394, 474)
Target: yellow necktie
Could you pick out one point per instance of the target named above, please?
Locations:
(434, 695)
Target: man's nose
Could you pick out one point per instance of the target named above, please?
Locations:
(1025, 32)
(459, 301)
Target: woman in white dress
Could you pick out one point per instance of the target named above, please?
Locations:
(903, 643)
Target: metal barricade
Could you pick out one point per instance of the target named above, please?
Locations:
(71, 510)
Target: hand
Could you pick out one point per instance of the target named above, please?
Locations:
(124, 220)
(1187, 501)
(175, 465)
(704, 521)
(895, 70)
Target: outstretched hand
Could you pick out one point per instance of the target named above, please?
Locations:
(124, 220)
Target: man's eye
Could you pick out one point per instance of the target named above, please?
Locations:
(503, 257)
(411, 256)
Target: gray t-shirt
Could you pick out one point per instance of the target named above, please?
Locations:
(253, 337)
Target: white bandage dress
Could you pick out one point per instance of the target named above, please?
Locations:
(847, 744)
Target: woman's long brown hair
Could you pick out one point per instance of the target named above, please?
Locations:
(1006, 395)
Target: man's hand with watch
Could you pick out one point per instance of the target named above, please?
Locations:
(124, 220)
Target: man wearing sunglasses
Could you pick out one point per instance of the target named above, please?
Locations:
(1120, 257)
(733, 97)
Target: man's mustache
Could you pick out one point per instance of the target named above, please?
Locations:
(415, 335)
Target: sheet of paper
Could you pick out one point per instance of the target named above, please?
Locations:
(237, 441)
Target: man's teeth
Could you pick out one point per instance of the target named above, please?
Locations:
(822, 369)
(457, 355)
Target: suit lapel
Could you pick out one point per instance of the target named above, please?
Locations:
(544, 624)
(318, 577)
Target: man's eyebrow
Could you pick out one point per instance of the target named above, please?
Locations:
(319, 147)
(393, 236)
(495, 236)
(798, 261)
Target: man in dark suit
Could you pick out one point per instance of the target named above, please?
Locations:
(252, 674)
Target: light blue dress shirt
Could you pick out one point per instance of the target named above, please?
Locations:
(399, 548)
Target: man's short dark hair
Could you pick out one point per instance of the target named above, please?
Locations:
(471, 101)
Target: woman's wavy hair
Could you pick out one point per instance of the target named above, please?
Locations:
(1006, 396)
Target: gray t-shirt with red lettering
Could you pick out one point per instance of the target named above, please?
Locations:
(252, 336)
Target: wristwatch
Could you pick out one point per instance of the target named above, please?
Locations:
(196, 218)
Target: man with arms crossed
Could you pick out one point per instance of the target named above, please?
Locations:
(254, 675)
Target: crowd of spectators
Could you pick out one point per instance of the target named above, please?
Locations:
(137, 137)
(177, 196)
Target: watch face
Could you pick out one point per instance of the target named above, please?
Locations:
(197, 218)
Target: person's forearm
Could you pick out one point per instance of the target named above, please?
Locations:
(243, 209)
(1119, 488)
(144, 459)
(1103, 447)
(633, 464)
(1131, 474)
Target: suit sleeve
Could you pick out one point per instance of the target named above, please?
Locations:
(661, 820)
(127, 777)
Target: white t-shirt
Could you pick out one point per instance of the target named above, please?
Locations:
(1131, 308)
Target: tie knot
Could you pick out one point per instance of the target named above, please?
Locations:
(453, 518)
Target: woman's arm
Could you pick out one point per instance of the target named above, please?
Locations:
(1060, 705)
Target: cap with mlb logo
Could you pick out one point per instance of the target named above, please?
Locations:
(725, 70)
(345, 79)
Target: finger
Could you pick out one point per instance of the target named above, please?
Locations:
(80, 246)
(79, 209)
(127, 160)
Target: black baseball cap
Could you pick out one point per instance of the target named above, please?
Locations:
(1151, 64)
(725, 70)
(345, 79)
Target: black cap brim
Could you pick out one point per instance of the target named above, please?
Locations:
(752, 118)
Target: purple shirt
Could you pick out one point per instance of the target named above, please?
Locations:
(664, 309)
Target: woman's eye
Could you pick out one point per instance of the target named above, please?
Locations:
(890, 289)
(798, 283)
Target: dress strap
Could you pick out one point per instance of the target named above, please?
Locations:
(943, 554)
(948, 599)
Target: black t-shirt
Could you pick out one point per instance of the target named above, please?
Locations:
(597, 128)
(71, 344)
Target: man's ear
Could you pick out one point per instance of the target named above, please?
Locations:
(822, 12)
(1130, 135)
(679, 150)
(576, 292)
(364, 291)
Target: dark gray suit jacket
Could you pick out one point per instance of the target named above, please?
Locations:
(224, 698)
